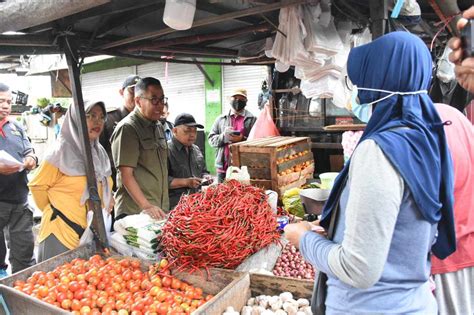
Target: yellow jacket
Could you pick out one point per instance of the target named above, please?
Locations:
(50, 186)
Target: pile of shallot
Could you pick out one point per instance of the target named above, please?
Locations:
(291, 264)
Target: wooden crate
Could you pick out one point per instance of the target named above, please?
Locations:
(263, 160)
(252, 285)
(20, 303)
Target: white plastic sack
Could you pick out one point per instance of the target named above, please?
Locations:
(362, 38)
(136, 221)
(88, 236)
(445, 70)
(239, 174)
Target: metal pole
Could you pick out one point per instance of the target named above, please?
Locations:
(94, 203)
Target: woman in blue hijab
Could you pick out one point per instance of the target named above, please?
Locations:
(395, 195)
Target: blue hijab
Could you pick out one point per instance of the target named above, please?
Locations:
(401, 62)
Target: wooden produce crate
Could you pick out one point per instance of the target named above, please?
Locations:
(275, 162)
(20, 303)
(252, 285)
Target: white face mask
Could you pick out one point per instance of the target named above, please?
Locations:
(364, 111)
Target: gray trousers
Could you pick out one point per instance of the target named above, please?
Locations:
(455, 292)
(18, 218)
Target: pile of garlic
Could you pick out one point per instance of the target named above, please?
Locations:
(284, 304)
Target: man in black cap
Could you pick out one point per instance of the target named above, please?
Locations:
(116, 115)
(186, 163)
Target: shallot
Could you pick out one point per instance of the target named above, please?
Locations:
(291, 264)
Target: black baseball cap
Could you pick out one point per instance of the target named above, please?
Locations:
(130, 81)
(187, 120)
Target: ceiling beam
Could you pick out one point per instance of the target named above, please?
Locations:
(114, 22)
(26, 50)
(160, 59)
(26, 40)
(219, 10)
(207, 21)
(115, 7)
(203, 37)
(192, 51)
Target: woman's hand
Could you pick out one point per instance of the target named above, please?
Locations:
(294, 232)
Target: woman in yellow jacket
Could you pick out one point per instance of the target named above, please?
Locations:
(59, 186)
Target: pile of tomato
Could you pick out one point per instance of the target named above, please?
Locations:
(112, 286)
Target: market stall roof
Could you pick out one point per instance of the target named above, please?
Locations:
(229, 30)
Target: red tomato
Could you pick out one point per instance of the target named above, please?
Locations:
(65, 280)
(175, 284)
(86, 301)
(164, 263)
(125, 263)
(161, 296)
(85, 309)
(137, 274)
(66, 304)
(79, 294)
(43, 291)
(76, 305)
(146, 285)
(101, 301)
(107, 308)
(135, 264)
(190, 294)
(156, 281)
(127, 275)
(166, 282)
(154, 291)
(197, 293)
(163, 308)
(74, 286)
(138, 305)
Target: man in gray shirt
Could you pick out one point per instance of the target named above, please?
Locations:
(15, 212)
(186, 164)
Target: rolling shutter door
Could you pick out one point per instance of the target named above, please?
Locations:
(183, 85)
(105, 85)
(247, 77)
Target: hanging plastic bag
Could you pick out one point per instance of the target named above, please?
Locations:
(239, 174)
(264, 126)
(88, 236)
(445, 70)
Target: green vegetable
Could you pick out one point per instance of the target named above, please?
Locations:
(292, 202)
(312, 185)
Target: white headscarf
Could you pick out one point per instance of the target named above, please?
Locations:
(69, 156)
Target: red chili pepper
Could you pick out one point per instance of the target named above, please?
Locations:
(219, 227)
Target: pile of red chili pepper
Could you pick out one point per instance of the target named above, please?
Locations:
(219, 227)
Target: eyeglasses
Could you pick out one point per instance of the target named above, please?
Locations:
(5, 100)
(95, 118)
(156, 100)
